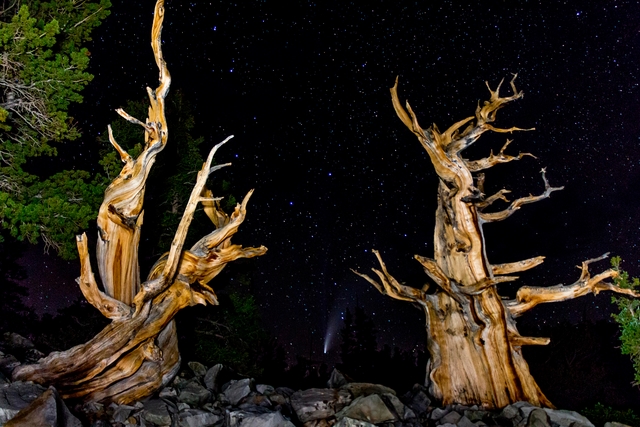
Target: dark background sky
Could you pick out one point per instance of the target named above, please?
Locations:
(303, 86)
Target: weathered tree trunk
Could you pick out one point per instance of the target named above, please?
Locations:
(138, 352)
(474, 345)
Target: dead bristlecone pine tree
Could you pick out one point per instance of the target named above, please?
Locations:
(137, 353)
(475, 348)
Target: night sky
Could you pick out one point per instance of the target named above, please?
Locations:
(304, 87)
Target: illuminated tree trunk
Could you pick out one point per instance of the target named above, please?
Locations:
(137, 353)
(475, 347)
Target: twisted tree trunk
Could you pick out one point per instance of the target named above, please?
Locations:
(475, 347)
(138, 352)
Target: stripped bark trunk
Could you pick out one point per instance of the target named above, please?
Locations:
(474, 345)
(137, 353)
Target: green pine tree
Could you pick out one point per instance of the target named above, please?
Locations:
(42, 71)
(628, 317)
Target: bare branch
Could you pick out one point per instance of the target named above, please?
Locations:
(484, 116)
(514, 267)
(492, 160)
(124, 156)
(153, 287)
(500, 195)
(528, 297)
(499, 216)
(111, 308)
(520, 340)
(390, 286)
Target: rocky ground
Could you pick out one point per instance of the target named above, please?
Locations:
(201, 396)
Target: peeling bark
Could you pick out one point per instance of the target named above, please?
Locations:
(475, 347)
(137, 353)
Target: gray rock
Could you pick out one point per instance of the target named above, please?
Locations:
(197, 418)
(198, 369)
(451, 418)
(3, 379)
(509, 412)
(33, 356)
(121, 413)
(350, 422)
(465, 422)
(46, 410)
(285, 391)
(395, 405)
(194, 394)
(256, 399)
(419, 402)
(156, 411)
(447, 425)
(318, 403)
(211, 378)
(278, 399)
(168, 393)
(538, 418)
(369, 408)
(7, 364)
(237, 390)
(438, 413)
(365, 389)
(267, 390)
(475, 414)
(15, 341)
(16, 396)
(567, 418)
(253, 419)
(336, 380)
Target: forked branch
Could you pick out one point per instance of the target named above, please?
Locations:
(390, 286)
(492, 160)
(517, 204)
(528, 297)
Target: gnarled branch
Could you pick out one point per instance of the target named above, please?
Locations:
(528, 296)
(111, 308)
(513, 267)
(390, 286)
(515, 205)
(492, 160)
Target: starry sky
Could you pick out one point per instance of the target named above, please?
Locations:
(304, 87)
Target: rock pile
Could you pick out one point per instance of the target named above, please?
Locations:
(202, 397)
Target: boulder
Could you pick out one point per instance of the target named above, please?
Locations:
(198, 369)
(194, 394)
(260, 418)
(197, 418)
(396, 407)
(46, 410)
(7, 364)
(538, 418)
(336, 379)
(417, 400)
(17, 396)
(451, 418)
(121, 413)
(216, 376)
(465, 422)
(237, 390)
(17, 342)
(365, 389)
(369, 408)
(559, 417)
(438, 413)
(350, 422)
(318, 403)
(156, 411)
(265, 389)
